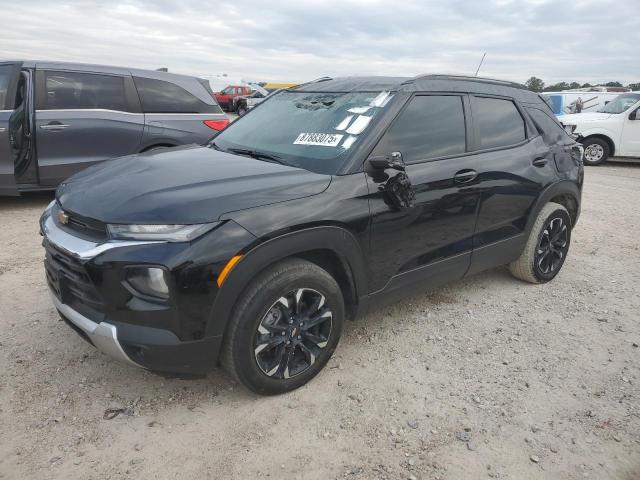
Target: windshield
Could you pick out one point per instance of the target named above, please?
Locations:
(313, 131)
(621, 103)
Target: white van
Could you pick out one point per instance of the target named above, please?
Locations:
(612, 131)
(563, 103)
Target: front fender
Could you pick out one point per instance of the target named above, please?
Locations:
(339, 240)
(599, 131)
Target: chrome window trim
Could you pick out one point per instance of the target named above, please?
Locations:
(74, 110)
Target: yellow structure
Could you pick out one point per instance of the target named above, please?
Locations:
(274, 86)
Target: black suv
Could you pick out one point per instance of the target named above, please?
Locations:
(323, 202)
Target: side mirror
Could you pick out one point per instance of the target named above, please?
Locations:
(384, 162)
(634, 115)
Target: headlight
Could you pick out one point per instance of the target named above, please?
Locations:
(149, 281)
(168, 233)
(570, 128)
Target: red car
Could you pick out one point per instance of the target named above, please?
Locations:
(226, 97)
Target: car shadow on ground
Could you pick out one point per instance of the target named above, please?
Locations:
(129, 385)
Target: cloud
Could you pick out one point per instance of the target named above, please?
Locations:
(300, 40)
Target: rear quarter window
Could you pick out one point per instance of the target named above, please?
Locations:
(498, 122)
(159, 96)
(548, 127)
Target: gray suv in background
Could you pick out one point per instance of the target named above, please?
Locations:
(59, 118)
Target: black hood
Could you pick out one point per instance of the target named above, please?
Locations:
(182, 186)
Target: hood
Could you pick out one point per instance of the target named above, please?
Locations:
(182, 185)
(577, 118)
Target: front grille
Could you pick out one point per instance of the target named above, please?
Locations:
(84, 227)
(68, 279)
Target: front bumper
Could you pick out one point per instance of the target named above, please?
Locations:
(134, 332)
(103, 335)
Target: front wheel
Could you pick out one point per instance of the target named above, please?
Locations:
(547, 246)
(284, 327)
(596, 151)
(242, 110)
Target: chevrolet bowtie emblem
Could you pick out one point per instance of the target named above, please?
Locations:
(63, 218)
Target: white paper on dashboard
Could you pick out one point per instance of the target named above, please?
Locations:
(359, 125)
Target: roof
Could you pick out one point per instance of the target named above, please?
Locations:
(423, 83)
(98, 68)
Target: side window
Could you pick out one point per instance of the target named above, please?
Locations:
(158, 96)
(228, 91)
(6, 71)
(498, 122)
(550, 129)
(431, 126)
(84, 91)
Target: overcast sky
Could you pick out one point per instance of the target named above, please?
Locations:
(585, 41)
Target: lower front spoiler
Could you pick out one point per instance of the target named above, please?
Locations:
(150, 348)
(102, 335)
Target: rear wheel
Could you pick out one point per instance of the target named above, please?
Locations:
(547, 246)
(596, 151)
(284, 327)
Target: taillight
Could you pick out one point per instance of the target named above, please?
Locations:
(217, 125)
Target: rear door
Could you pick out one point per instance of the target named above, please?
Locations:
(83, 118)
(513, 165)
(9, 76)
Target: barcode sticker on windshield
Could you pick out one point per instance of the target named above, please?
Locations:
(320, 139)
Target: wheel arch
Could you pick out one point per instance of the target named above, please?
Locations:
(332, 248)
(157, 145)
(566, 193)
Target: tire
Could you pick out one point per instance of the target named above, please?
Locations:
(241, 110)
(596, 151)
(271, 354)
(553, 222)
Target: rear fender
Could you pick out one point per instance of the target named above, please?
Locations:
(565, 187)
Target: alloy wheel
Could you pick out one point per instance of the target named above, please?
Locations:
(552, 246)
(293, 333)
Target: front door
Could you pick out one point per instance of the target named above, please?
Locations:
(83, 118)
(423, 218)
(630, 143)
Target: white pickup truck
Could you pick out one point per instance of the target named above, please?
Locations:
(612, 131)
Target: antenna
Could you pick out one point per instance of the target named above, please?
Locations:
(482, 60)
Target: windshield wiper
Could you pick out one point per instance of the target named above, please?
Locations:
(257, 155)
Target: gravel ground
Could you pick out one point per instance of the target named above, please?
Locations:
(485, 378)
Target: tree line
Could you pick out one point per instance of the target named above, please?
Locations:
(536, 84)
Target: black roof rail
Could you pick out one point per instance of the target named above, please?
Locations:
(317, 80)
(467, 78)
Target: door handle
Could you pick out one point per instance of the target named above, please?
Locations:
(54, 126)
(465, 176)
(540, 162)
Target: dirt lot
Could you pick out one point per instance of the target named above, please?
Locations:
(486, 378)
